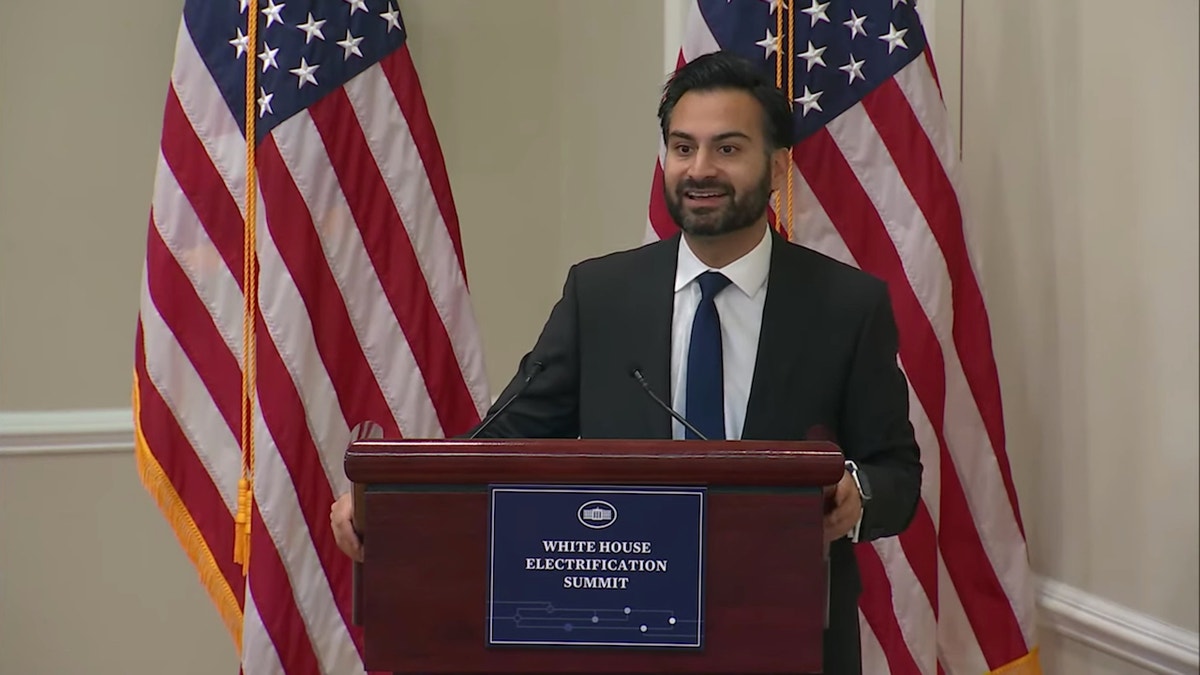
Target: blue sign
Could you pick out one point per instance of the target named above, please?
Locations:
(596, 566)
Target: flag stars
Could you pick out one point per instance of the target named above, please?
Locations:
(264, 103)
(267, 56)
(809, 101)
(356, 5)
(855, 24)
(350, 46)
(816, 12)
(853, 69)
(894, 38)
(312, 29)
(775, 4)
(241, 42)
(392, 17)
(770, 44)
(813, 57)
(272, 12)
(305, 73)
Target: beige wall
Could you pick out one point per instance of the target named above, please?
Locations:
(1080, 150)
(91, 579)
(549, 148)
(80, 111)
(1080, 166)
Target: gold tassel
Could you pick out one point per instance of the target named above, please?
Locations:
(241, 531)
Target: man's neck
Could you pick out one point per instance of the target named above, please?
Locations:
(720, 250)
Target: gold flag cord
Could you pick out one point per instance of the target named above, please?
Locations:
(791, 92)
(783, 211)
(241, 541)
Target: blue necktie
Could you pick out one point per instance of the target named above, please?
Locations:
(705, 383)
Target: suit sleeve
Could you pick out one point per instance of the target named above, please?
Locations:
(877, 433)
(549, 407)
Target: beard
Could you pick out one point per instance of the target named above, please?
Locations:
(738, 212)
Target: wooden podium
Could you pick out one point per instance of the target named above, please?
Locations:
(423, 509)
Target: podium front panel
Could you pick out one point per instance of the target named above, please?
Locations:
(425, 588)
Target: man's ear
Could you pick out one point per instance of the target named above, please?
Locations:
(781, 162)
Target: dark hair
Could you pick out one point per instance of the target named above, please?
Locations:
(726, 70)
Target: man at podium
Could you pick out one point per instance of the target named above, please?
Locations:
(748, 335)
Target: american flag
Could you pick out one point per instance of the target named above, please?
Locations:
(362, 323)
(876, 184)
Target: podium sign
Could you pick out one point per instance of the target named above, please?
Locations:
(596, 566)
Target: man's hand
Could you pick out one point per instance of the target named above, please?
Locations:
(843, 507)
(341, 516)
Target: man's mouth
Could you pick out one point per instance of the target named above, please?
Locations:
(704, 197)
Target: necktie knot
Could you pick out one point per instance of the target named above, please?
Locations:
(712, 283)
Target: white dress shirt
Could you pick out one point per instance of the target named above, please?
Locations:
(740, 306)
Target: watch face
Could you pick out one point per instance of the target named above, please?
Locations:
(860, 479)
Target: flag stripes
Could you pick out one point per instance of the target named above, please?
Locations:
(364, 326)
(876, 187)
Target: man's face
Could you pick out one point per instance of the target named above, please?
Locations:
(718, 173)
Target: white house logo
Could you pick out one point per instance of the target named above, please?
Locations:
(597, 514)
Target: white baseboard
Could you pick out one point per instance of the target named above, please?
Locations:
(1068, 611)
(66, 431)
(1117, 630)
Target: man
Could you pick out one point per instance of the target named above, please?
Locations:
(754, 337)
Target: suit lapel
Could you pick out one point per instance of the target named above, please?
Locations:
(786, 324)
(650, 307)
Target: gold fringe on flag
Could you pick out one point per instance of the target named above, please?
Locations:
(160, 488)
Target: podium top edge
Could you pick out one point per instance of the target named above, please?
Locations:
(520, 460)
(607, 446)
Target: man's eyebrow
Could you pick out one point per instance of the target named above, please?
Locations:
(719, 137)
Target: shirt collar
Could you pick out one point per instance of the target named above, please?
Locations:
(749, 272)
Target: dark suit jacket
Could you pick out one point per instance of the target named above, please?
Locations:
(826, 358)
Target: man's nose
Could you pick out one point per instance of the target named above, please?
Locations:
(702, 165)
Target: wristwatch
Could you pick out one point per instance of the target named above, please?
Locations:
(864, 493)
(860, 479)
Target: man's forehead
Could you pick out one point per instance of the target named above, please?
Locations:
(717, 113)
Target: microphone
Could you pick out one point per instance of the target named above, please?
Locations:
(636, 374)
(536, 367)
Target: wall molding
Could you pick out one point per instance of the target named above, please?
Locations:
(1103, 625)
(1117, 630)
(66, 432)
